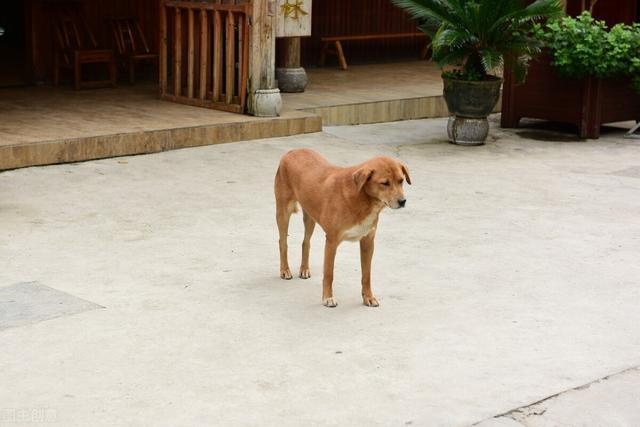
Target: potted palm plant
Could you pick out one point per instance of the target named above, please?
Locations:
(471, 39)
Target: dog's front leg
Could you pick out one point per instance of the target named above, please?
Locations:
(366, 255)
(330, 248)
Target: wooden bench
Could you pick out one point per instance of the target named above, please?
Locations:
(337, 41)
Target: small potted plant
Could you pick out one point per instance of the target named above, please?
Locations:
(470, 40)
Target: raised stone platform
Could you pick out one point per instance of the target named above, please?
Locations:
(372, 93)
(43, 125)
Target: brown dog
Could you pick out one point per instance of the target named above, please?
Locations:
(345, 202)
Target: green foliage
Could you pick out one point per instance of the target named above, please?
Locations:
(477, 36)
(582, 46)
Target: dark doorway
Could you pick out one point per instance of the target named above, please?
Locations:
(12, 43)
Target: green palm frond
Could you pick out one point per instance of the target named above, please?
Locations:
(491, 59)
(540, 9)
(439, 10)
(453, 38)
(480, 34)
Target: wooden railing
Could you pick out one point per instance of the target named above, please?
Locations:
(204, 53)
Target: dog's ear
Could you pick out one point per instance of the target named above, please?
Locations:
(405, 171)
(361, 176)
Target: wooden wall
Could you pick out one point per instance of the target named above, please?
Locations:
(351, 17)
(611, 11)
(330, 18)
(40, 43)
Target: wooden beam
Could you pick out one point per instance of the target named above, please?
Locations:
(230, 59)
(244, 79)
(177, 53)
(217, 56)
(242, 57)
(162, 63)
(208, 6)
(191, 53)
(204, 52)
(373, 36)
(233, 108)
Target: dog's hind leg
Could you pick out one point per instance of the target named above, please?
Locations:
(309, 226)
(283, 214)
(285, 206)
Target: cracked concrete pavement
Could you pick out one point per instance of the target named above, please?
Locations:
(512, 276)
(610, 401)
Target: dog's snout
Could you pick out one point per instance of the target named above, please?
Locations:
(402, 202)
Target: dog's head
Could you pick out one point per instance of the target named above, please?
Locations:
(382, 178)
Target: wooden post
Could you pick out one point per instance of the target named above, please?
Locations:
(263, 47)
(177, 52)
(191, 52)
(291, 52)
(243, 54)
(230, 60)
(204, 53)
(162, 63)
(217, 56)
(291, 76)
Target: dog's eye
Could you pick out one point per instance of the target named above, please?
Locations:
(401, 181)
(385, 183)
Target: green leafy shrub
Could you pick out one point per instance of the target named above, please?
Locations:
(583, 46)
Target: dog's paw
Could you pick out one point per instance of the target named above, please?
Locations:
(329, 302)
(286, 274)
(305, 273)
(370, 301)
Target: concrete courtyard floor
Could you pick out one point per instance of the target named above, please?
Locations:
(512, 276)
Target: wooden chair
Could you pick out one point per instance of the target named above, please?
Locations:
(131, 45)
(76, 46)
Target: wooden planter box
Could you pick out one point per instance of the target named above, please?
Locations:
(587, 103)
